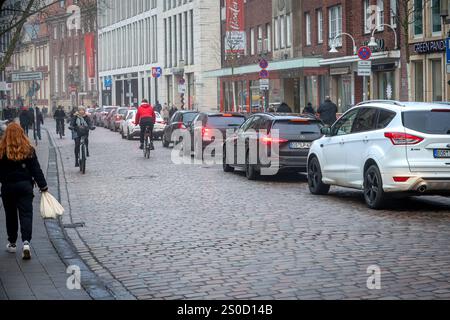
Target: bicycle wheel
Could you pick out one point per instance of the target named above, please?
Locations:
(147, 147)
(83, 159)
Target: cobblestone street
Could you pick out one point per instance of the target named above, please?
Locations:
(156, 230)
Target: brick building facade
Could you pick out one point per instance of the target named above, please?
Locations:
(73, 56)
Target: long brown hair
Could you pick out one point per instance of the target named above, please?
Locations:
(14, 144)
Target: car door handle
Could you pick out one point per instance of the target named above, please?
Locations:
(342, 142)
(366, 140)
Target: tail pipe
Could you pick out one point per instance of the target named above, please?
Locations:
(422, 188)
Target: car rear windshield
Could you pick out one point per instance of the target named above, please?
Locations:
(123, 111)
(220, 121)
(189, 117)
(290, 127)
(431, 122)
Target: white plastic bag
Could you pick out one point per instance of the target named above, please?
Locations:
(50, 207)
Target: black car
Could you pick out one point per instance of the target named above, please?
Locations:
(180, 120)
(206, 125)
(296, 134)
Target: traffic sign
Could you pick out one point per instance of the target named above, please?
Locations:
(27, 76)
(365, 53)
(264, 84)
(264, 64)
(364, 68)
(264, 74)
(156, 72)
(448, 50)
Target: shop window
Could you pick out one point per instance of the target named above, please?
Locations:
(418, 81)
(436, 72)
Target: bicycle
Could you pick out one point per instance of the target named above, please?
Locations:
(59, 128)
(83, 153)
(148, 140)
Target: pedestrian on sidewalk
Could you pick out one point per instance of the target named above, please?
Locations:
(19, 171)
(328, 111)
(24, 119)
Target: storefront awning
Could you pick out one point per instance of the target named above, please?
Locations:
(299, 63)
(355, 58)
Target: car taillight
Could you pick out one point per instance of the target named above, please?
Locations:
(270, 140)
(401, 138)
(401, 179)
(206, 134)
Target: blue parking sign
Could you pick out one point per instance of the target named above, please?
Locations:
(448, 50)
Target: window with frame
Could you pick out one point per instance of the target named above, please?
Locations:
(436, 21)
(418, 18)
(366, 120)
(308, 29)
(335, 24)
(319, 26)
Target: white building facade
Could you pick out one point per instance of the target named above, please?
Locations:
(181, 38)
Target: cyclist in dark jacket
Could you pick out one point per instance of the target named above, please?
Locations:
(59, 116)
(80, 126)
(19, 171)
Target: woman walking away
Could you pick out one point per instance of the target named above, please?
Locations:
(19, 170)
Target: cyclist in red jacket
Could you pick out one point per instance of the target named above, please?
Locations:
(145, 118)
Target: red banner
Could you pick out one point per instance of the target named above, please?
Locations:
(235, 26)
(89, 43)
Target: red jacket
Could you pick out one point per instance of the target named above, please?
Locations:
(145, 111)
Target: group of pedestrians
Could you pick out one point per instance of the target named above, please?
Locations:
(31, 119)
(327, 111)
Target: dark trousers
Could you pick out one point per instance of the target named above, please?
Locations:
(25, 127)
(146, 123)
(60, 122)
(77, 146)
(18, 204)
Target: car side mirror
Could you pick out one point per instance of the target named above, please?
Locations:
(326, 131)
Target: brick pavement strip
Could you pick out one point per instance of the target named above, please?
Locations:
(160, 231)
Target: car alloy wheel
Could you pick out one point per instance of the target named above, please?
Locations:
(164, 141)
(374, 194)
(316, 186)
(128, 134)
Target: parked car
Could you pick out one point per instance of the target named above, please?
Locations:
(204, 124)
(131, 130)
(294, 135)
(116, 118)
(103, 114)
(180, 120)
(110, 118)
(123, 123)
(160, 125)
(3, 125)
(385, 148)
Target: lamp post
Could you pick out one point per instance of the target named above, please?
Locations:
(373, 43)
(339, 35)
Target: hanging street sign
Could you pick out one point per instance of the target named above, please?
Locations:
(156, 72)
(27, 76)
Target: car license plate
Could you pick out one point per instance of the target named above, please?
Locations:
(300, 145)
(441, 153)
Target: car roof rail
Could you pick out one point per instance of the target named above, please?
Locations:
(393, 102)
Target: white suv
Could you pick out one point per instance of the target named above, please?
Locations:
(383, 148)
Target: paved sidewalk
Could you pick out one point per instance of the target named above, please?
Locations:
(44, 276)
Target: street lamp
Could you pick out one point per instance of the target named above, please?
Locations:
(373, 43)
(333, 43)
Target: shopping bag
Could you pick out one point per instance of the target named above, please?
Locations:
(50, 207)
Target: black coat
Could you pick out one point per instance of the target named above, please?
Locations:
(59, 115)
(39, 118)
(309, 109)
(284, 108)
(19, 171)
(24, 118)
(328, 111)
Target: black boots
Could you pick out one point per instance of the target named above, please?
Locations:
(77, 163)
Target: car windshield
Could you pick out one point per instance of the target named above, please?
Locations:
(123, 111)
(431, 122)
(189, 117)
